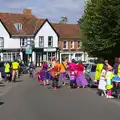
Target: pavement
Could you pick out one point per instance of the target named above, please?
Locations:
(28, 100)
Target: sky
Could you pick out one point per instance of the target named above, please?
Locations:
(51, 9)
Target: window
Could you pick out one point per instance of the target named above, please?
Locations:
(65, 44)
(18, 26)
(1, 42)
(50, 41)
(79, 44)
(23, 42)
(41, 41)
(72, 44)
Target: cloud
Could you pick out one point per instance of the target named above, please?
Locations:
(51, 9)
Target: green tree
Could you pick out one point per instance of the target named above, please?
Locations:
(64, 20)
(100, 27)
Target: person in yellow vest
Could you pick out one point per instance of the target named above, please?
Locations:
(99, 68)
(6, 70)
(15, 68)
(118, 72)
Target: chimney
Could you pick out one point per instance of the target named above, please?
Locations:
(27, 11)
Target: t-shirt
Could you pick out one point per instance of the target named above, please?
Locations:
(63, 65)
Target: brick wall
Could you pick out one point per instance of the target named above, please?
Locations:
(69, 45)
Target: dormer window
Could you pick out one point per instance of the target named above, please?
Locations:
(18, 26)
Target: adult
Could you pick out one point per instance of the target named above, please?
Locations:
(43, 73)
(15, 68)
(72, 73)
(115, 66)
(54, 72)
(63, 68)
(6, 70)
(80, 77)
(99, 68)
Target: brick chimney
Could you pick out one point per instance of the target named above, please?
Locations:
(27, 11)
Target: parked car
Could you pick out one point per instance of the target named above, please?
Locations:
(90, 75)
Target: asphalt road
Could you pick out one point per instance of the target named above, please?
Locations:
(29, 101)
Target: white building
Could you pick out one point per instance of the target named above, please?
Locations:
(19, 32)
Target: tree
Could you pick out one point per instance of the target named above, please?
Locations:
(64, 20)
(100, 27)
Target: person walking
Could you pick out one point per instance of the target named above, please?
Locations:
(102, 83)
(72, 73)
(80, 78)
(15, 68)
(6, 70)
(109, 86)
(63, 68)
(54, 72)
(99, 68)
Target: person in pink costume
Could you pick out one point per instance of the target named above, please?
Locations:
(72, 71)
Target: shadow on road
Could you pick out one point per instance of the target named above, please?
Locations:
(1, 103)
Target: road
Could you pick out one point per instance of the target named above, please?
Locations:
(29, 101)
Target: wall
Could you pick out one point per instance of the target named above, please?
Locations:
(69, 45)
(9, 43)
(46, 31)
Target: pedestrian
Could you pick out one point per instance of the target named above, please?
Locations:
(43, 73)
(99, 68)
(31, 69)
(115, 67)
(102, 82)
(109, 86)
(54, 71)
(48, 76)
(80, 78)
(63, 68)
(72, 73)
(6, 70)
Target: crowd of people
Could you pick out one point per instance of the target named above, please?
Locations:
(58, 72)
(104, 76)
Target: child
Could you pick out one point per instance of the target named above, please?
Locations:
(102, 82)
(109, 86)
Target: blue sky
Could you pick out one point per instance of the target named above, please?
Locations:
(51, 9)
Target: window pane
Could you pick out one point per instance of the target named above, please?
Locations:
(64, 44)
(1, 42)
(50, 41)
(41, 41)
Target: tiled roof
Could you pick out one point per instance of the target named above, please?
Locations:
(31, 24)
(68, 30)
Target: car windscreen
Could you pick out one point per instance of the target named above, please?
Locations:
(93, 69)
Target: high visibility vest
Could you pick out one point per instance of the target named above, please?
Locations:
(118, 70)
(7, 67)
(15, 65)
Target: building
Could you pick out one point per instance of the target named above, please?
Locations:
(32, 39)
(70, 41)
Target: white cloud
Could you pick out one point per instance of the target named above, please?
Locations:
(51, 9)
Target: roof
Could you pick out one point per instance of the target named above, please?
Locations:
(31, 24)
(67, 30)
